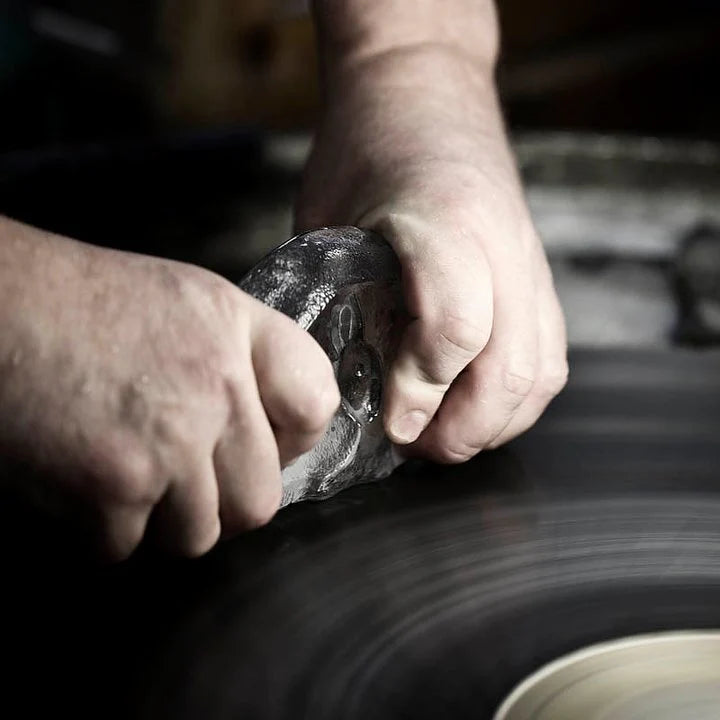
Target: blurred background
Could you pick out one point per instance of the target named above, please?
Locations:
(179, 127)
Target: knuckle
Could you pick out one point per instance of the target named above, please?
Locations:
(309, 390)
(432, 376)
(518, 383)
(177, 428)
(554, 379)
(317, 396)
(447, 345)
(126, 473)
(198, 289)
(224, 297)
(315, 410)
(462, 337)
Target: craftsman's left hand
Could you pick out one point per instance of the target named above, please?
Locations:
(412, 145)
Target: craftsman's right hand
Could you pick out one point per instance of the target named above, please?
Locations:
(152, 388)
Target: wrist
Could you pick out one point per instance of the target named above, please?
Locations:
(358, 31)
(413, 103)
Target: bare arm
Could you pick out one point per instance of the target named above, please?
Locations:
(412, 143)
(144, 387)
(354, 30)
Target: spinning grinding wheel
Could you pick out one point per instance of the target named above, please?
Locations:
(431, 595)
(342, 285)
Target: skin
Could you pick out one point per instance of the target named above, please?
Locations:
(412, 144)
(154, 390)
(150, 387)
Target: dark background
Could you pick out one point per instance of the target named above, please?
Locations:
(75, 70)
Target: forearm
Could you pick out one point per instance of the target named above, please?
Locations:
(429, 63)
(404, 89)
(353, 30)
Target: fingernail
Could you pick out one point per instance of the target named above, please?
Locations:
(407, 428)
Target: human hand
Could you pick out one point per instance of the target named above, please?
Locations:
(411, 144)
(150, 387)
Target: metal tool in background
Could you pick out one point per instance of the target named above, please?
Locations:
(342, 284)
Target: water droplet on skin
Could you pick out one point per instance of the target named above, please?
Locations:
(145, 380)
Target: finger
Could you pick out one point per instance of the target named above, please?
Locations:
(450, 301)
(123, 528)
(187, 518)
(247, 465)
(297, 386)
(552, 371)
(484, 399)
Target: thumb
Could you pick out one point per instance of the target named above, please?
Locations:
(450, 327)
